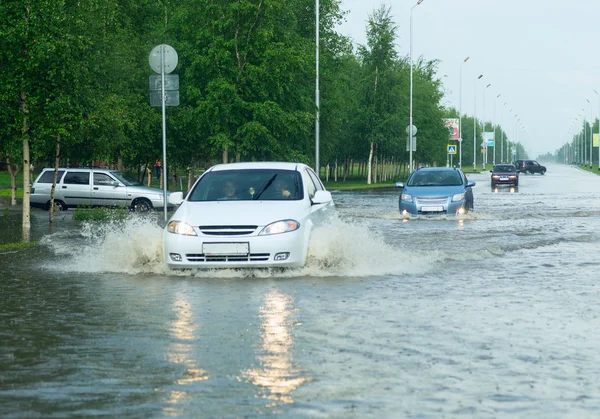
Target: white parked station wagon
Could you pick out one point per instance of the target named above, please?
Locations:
(246, 215)
(93, 187)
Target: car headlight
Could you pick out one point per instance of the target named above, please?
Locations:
(406, 197)
(279, 227)
(179, 227)
(458, 197)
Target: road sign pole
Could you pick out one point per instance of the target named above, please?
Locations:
(164, 127)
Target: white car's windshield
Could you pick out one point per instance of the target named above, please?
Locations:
(247, 185)
(435, 178)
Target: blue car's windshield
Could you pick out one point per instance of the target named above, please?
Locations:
(248, 185)
(435, 178)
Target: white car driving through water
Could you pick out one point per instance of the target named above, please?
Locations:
(246, 215)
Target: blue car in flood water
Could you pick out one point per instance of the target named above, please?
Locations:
(436, 190)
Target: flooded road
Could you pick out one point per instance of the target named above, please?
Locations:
(494, 315)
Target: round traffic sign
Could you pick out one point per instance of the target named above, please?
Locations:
(155, 58)
(414, 130)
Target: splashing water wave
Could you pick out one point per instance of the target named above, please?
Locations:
(134, 246)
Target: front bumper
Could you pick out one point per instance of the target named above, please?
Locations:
(262, 251)
(418, 207)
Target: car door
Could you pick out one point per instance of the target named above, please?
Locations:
(108, 191)
(76, 188)
(535, 167)
(468, 192)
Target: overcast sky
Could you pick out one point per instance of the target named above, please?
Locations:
(541, 56)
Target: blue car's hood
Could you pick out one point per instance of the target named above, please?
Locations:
(434, 190)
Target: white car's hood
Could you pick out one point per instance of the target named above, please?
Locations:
(258, 213)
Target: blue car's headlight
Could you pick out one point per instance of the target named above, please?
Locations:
(406, 197)
(458, 197)
(278, 227)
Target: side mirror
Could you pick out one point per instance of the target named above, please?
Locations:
(491, 171)
(322, 197)
(175, 198)
(115, 183)
(470, 184)
(399, 185)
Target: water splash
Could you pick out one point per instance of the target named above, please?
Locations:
(134, 246)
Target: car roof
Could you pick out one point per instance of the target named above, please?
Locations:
(438, 169)
(83, 169)
(258, 165)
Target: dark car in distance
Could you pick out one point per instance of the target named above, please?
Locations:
(530, 167)
(505, 174)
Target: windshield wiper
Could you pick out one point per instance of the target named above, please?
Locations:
(265, 186)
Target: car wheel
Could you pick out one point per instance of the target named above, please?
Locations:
(141, 205)
(543, 172)
(58, 206)
(527, 172)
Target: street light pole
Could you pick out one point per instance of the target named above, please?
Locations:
(598, 94)
(591, 132)
(460, 115)
(475, 125)
(484, 147)
(317, 93)
(584, 138)
(494, 129)
(410, 119)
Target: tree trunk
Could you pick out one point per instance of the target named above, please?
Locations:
(149, 172)
(190, 176)
(56, 164)
(13, 170)
(225, 155)
(120, 162)
(26, 219)
(335, 171)
(369, 173)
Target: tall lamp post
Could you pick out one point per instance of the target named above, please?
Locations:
(598, 94)
(317, 93)
(475, 125)
(460, 115)
(410, 119)
(584, 138)
(591, 132)
(494, 129)
(484, 148)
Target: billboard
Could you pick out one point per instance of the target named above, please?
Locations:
(488, 138)
(452, 126)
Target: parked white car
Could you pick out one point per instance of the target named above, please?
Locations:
(246, 215)
(93, 187)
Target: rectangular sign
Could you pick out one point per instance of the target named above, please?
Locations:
(488, 136)
(452, 126)
(171, 82)
(490, 143)
(414, 144)
(225, 249)
(595, 137)
(451, 148)
(171, 98)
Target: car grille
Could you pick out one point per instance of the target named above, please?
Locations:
(432, 201)
(227, 230)
(252, 257)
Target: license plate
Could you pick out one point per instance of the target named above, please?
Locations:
(225, 248)
(432, 209)
(503, 177)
